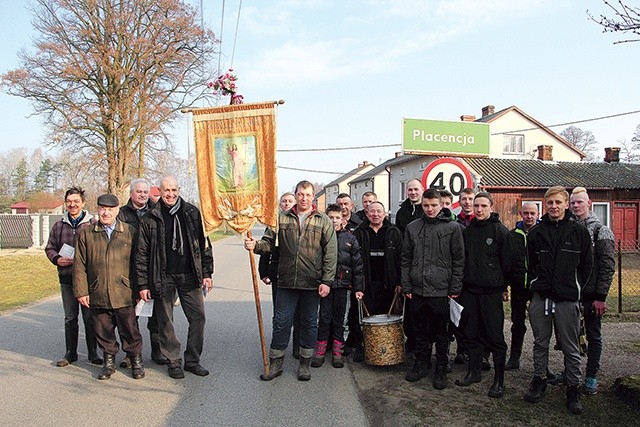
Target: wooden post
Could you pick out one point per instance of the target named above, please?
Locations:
(256, 294)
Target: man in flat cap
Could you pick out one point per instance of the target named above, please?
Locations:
(101, 282)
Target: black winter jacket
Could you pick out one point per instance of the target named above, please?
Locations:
(433, 257)
(407, 213)
(560, 258)
(350, 271)
(517, 259)
(151, 259)
(604, 266)
(129, 215)
(484, 256)
(392, 252)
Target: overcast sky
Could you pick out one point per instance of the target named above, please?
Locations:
(349, 70)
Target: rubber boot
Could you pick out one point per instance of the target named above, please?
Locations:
(440, 377)
(338, 349)
(276, 357)
(497, 388)
(71, 343)
(304, 373)
(108, 368)
(474, 374)
(137, 369)
(319, 354)
(156, 354)
(573, 400)
(516, 350)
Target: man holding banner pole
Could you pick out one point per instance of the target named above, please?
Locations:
(308, 256)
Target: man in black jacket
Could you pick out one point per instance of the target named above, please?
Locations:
(138, 205)
(484, 290)
(349, 219)
(410, 209)
(432, 268)
(518, 279)
(560, 262)
(381, 245)
(173, 256)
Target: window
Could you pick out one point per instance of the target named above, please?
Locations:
(403, 189)
(423, 166)
(513, 144)
(402, 171)
(601, 209)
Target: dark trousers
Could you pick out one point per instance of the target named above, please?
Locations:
(593, 328)
(152, 327)
(192, 303)
(518, 301)
(307, 301)
(430, 318)
(334, 308)
(72, 309)
(105, 323)
(482, 323)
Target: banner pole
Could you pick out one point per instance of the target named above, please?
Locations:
(256, 294)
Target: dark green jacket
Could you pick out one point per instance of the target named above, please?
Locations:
(308, 258)
(102, 266)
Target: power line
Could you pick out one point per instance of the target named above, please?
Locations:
(288, 150)
(310, 170)
(221, 28)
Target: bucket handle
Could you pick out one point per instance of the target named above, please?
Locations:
(361, 306)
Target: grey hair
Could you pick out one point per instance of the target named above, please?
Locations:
(138, 181)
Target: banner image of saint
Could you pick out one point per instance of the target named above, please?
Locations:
(236, 165)
(235, 156)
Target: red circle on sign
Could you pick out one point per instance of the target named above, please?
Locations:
(450, 161)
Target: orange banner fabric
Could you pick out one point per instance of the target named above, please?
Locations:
(235, 156)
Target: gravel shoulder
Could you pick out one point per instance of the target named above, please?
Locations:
(390, 400)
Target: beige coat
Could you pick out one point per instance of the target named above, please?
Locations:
(102, 267)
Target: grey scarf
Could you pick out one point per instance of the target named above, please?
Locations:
(176, 242)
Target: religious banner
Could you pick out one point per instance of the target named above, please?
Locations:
(235, 157)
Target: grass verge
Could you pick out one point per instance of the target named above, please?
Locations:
(26, 278)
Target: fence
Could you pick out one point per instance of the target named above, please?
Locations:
(25, 231)
(625, 289)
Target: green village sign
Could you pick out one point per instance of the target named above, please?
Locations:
(437, 137)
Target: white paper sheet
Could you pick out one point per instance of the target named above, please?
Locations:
(67, 251)
(144, 308)
(455, 311)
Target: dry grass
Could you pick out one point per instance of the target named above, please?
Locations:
(26, 278)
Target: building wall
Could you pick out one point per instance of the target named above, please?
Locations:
(514, 123)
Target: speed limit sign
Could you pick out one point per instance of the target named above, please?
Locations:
(447, 174)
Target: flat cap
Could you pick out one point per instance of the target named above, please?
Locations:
(108, 200)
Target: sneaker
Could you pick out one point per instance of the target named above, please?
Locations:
(591, 385)
(560, 379)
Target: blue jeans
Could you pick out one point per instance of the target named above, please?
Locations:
(286, 303)
(593, 327)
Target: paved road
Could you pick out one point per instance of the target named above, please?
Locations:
(35, 392)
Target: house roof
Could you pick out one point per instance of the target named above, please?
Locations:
(537, 174)
(381, 167)
(492, 117)
(346, 176)
(20, 205)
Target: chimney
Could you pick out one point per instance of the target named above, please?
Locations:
(612, 154)
(398, 154)
(488, 110)
(545, 152)
(466, 118)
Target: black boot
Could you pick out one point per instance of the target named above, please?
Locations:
(440, 378)
(516, 351)
(537, 387)
(497, 388)
(71, 343)
(474, 374)
(276, 357)
(304, 371)
(137, 370)
(108, 368)
(573, 400)
(419, 371)
(156, 354)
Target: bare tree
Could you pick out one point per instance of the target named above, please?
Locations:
(583, 140)
(109, 76)
(629, 151)
(625, 19)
